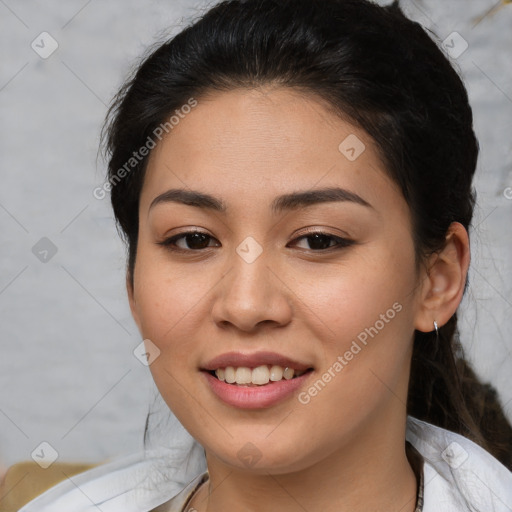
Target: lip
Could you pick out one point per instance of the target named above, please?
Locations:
(239, 359)
(255, 397)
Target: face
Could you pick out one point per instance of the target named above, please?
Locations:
(303, 259)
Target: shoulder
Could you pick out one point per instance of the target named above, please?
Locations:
(459, 474)
(136, 483)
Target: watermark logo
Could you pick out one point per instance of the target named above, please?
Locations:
(454, 455)
(44, 45)
(249, 250)
(44, 455)
(352, 147)
(455, 45)
(249, 455)
(146, 352)
(44, 250)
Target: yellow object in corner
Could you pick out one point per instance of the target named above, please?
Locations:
(26, 480)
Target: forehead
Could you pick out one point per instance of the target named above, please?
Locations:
(248, 143)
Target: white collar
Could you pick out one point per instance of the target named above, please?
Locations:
(458, 476)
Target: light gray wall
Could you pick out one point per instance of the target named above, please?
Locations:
(67, 372)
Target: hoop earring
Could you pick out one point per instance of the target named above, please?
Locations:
(436, 328)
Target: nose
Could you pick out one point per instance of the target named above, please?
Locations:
(252, 295)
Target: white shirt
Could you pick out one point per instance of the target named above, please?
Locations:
(458, 476)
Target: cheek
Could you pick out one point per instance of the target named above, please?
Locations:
(168, 296)
(364, 315)
(351, 297)
(365, 362)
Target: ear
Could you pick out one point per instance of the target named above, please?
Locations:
(132, 301)
(444, 280)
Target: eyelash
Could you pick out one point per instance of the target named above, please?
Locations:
(169, 243)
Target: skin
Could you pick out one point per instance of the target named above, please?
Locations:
(344, 450)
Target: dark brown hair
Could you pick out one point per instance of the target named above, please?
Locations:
(375, 68)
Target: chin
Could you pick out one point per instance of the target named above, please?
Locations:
(257, 455)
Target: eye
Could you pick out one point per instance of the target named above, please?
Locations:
(320, 241)
(198, 240)
(193, 240)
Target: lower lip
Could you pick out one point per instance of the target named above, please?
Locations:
(255, 397)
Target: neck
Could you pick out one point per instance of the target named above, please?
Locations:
(371, 472)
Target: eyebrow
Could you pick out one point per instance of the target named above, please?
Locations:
(292, 201)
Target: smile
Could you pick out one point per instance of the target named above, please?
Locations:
(259, 376)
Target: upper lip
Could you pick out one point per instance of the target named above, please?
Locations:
(239, 359)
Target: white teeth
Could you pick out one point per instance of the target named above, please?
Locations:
(288, 373)
(276, 373)
(229, 373)
(258, 376)
(243, 375)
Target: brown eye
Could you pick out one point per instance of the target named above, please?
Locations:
(319, 241)
(198, 240)
(190, 240)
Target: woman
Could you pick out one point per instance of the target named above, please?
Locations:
(294, 183)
